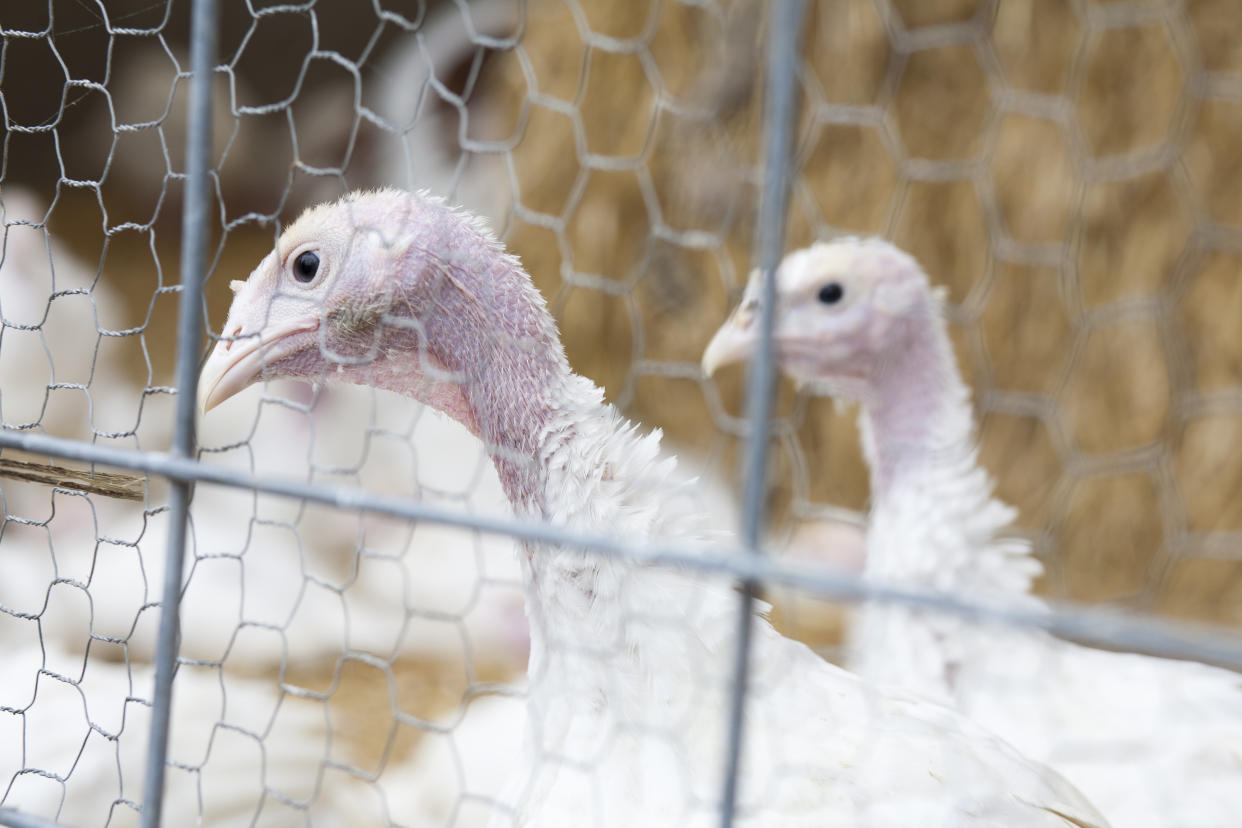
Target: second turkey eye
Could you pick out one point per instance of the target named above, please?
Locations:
(831, 293)
(306, 266)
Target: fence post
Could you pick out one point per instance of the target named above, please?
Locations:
(780, 114)
(189, 350)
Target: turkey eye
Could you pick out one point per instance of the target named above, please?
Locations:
(831, 293)
(306, 266)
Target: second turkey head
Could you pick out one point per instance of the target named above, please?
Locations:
(844, 311)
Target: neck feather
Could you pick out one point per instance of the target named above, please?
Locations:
(608, 633)
(934, 520)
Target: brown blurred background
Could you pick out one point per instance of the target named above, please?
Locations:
(1070, 170)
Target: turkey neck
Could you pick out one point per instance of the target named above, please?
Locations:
(934, 521)
(933, 518)
(607, 627)
(601, 627)
(917, 421)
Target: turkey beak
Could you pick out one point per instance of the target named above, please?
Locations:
(734, 341)
(239, 357)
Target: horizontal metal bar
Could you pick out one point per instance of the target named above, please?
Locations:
(19, 819)
(1097, 627)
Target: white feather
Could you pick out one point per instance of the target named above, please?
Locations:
(73, 745)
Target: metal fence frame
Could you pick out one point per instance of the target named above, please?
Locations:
(743, 562)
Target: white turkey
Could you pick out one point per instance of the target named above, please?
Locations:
(415, 92)
(59, 372)
(74, 731)
(630, 664)
(1151, 742)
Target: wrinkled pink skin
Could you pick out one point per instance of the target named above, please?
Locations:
(434, 310)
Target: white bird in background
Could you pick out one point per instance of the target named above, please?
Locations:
(270, 580)
(55, 373)
(333, 582)
(415, 91)
(630, 666)
(73, 743)
(1151, 742)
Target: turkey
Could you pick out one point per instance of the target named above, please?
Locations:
(59, 372)
(1151, 742)
(425, 128)
(73, 743)
(630, 664)
(289, 582)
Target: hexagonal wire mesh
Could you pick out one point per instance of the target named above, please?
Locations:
(1068, 170)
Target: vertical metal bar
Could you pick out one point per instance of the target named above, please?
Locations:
(781, 109)
(194, 232)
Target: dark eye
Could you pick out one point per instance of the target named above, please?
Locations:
(831, 293)
(305, 266)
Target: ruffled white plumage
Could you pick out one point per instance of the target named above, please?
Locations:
(640, 698)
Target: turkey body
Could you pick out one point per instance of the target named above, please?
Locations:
(630, 678)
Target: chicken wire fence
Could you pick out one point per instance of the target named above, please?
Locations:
(352, 630)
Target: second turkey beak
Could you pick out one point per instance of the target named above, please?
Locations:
(735, 340)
